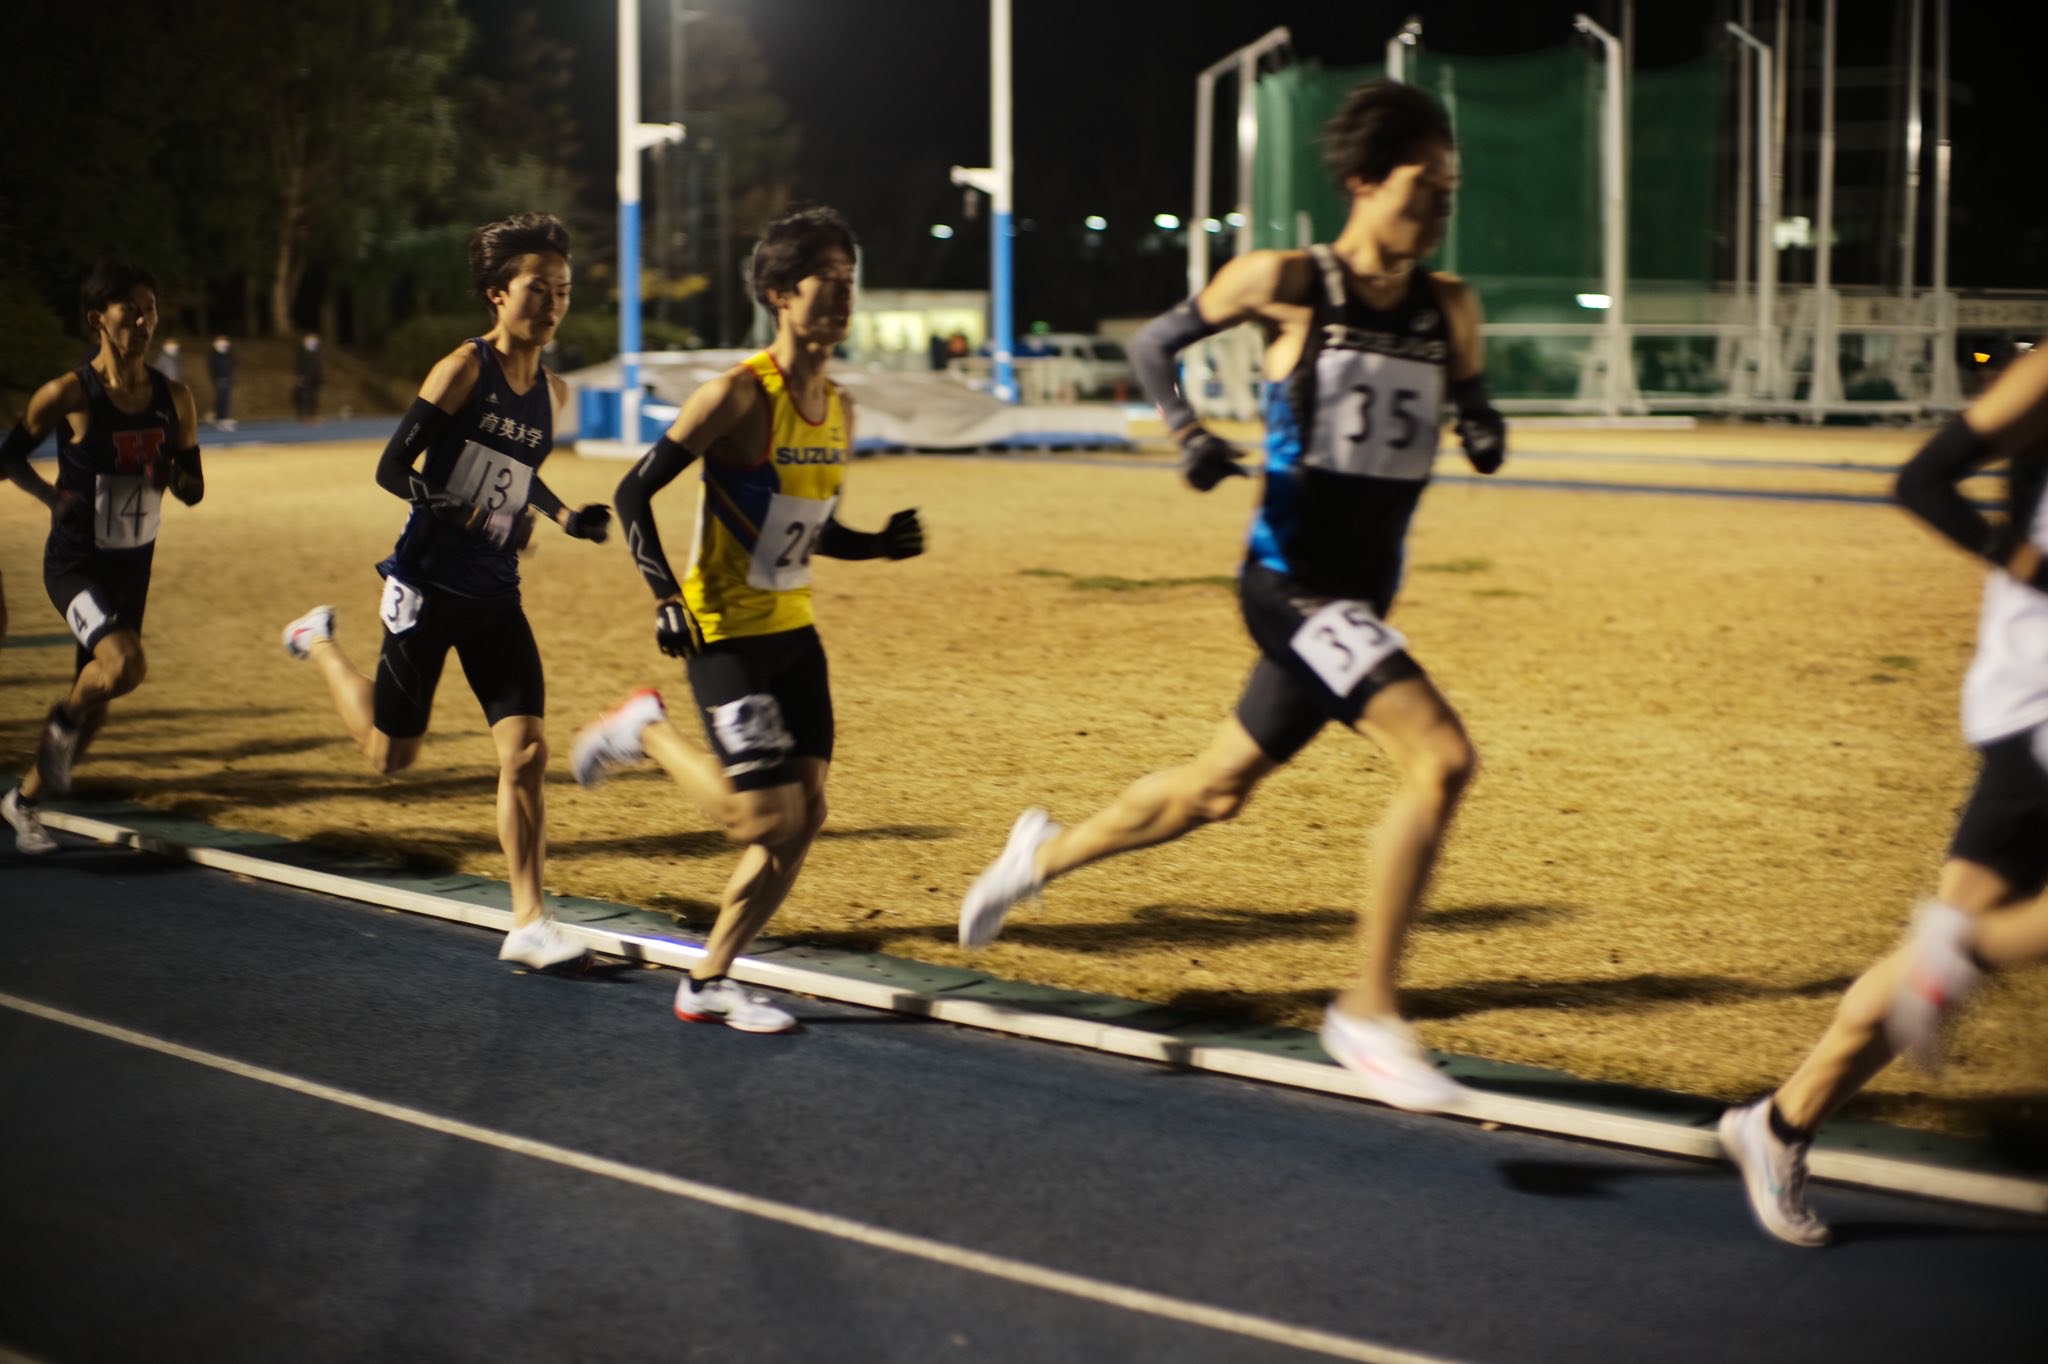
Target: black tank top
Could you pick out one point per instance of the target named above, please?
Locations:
(486, 457)
(1351, 437)
(107, 470)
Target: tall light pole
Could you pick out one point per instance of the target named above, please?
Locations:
(994, 180)
(634, 138)
(1614, 214)
(1397, 48)
(1766, 214)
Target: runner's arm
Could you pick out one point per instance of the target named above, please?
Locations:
(713, 412)
(1481, 429)
(49, 405)
(447, 390)
(2012, 415)
(186, 481)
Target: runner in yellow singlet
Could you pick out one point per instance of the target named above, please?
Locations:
(774, 435)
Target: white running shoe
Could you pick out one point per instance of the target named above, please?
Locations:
(613, 738)
(1939, 976)
(541, 946)
(722, 1001)
(1009, 881)
(55, 749)
(30, 837)
(1384, 1054)
(1773, 1175)
(300, 635)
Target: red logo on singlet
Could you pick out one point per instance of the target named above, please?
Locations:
(135, 451)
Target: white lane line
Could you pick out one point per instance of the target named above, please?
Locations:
(826, 1224)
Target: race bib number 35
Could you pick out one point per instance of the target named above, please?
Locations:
(490, 479)
(125, 511)
(782, 556)
(1344, 641)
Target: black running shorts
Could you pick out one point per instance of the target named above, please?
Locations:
(490, 636)
(766, 700)
(98, 595)
(2004, 825)
(1320, 660)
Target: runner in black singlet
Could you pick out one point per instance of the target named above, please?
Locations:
(126, 435)
(1362, 351)
(484, 419)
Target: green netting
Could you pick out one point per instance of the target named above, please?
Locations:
(1527, 231)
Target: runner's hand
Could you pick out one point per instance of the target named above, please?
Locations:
(592, 523)
(903, 537)
(676, 630)
(1206, 459)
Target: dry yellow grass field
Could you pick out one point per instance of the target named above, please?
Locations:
(1719, 750)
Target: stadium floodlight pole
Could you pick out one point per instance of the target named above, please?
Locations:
(995, 181)
(1824, 386)
(1246, 60)
(1766, 212)
(1909, 231)
(634, 138)
(1947, 391)
(1613, 180)
(1398, 45)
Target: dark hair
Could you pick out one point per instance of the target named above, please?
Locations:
(111, 281)
(495, 248)
(1383, 124)
(791, 247)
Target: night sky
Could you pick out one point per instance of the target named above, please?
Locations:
(889, 93)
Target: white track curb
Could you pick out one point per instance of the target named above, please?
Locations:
(1890, 1173)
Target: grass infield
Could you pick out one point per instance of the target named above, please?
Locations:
(1718, 740)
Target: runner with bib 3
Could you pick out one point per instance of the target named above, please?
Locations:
(484, 421)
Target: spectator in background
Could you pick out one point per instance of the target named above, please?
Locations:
(170, 362)
(306, 379)
(220, 367)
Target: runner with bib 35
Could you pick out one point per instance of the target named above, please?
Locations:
(1362, 351)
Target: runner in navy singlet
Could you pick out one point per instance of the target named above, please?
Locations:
(126, 435)
(485, 419)
(1990, 905)
(1362, 351)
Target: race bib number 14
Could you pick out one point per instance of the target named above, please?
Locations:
(1344, 641)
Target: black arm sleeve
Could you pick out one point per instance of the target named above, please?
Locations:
(543, 500)
(635, 502)
(838, 542)
(14, 465)
(1153, 351)
(423, 422)
(188, 480)
(1927, 488)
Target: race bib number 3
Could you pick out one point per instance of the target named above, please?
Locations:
(490, 479)
(1344, 641)
(782, 556)
(126, 511)
(400, 608)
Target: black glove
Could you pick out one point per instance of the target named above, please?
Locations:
(592, 523)
(903, 537)
(1206, 459)
(1485, 437)
(676, 630)
(70, 511)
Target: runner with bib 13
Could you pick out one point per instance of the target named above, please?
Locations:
(1362, 351)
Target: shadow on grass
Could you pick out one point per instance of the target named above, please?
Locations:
(126, 746)
(2014, 1126)
(437, 853)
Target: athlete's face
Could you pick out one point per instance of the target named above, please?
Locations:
(128, 323)
(1408, 211)
(536, 299)
(820, 309)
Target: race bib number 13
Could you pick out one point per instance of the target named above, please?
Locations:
(1344, 641)
(490, 479)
